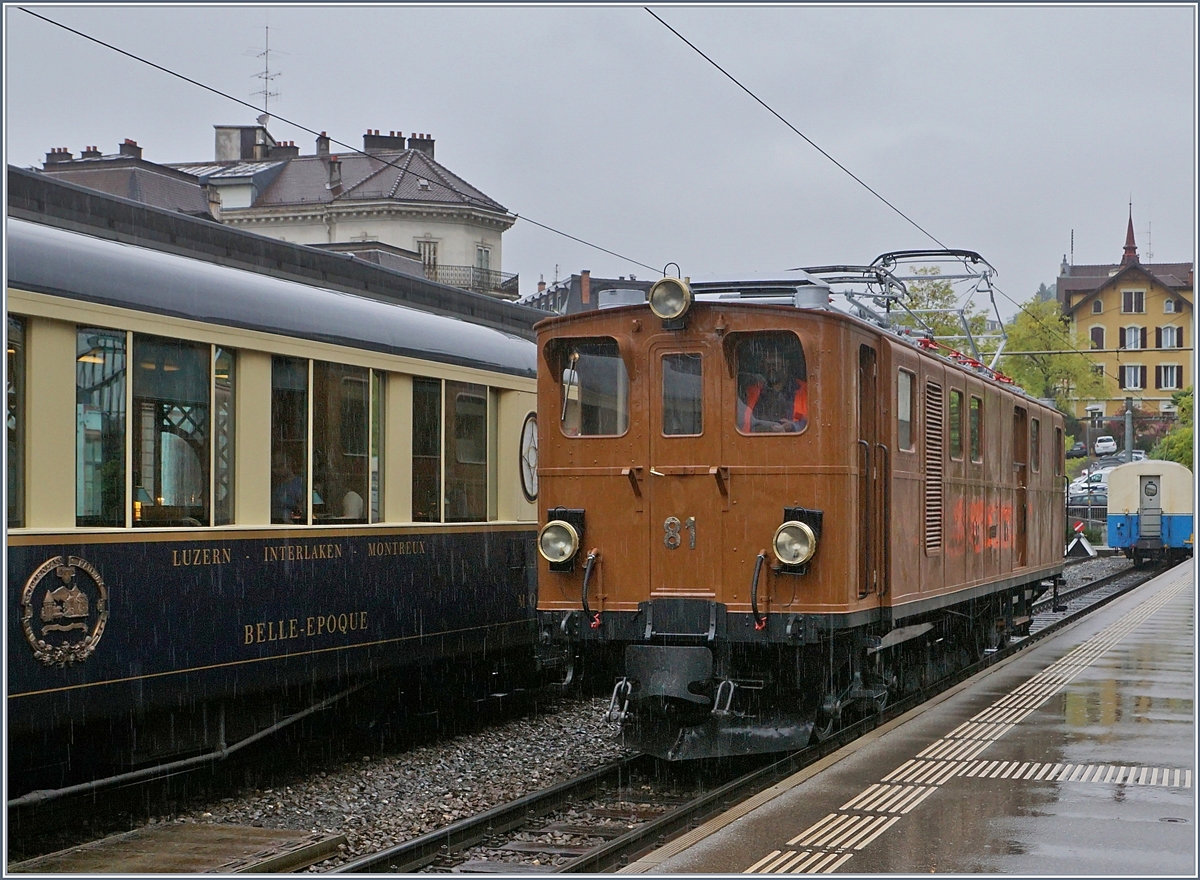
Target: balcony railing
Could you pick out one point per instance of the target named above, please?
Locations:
(501, 284)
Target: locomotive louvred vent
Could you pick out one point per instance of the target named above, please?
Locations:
(933, 467)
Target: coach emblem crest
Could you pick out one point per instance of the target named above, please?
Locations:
(64, 608)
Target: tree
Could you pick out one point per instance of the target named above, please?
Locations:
(1059, 370)
(1046, 294)
(928, 299)
(1179, 445)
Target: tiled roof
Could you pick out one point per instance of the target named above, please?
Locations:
(394, 175)
(137, 183)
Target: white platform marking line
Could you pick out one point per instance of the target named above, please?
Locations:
(808, 865)
(888, 824)
(1080, 769)
(1142, 778)
(1187, 779)
(813, 829)
(858, 797)
(777, 862)
(787, 866)
(817, 868)
(845, 857)
(910, 800)
(1045, 768)
(833, 831)
(1019, 770)
(1088, 772)
(895, 774)
(761, 862)
(883, 797)
(866, 829)
(1112, 771)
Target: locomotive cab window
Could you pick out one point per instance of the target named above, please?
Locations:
(682, 394)
(905, 410)
(594, 389)
(772, 383)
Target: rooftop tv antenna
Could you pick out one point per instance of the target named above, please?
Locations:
(266, 76)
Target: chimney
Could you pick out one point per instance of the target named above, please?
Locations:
(214, 201)
(284, 150)
(323, 144)
(130, 148)
(374, 142)
(89, 153)
(541, 286)
(585, 286)
(57, 155)
(422, 142)
(335, 176)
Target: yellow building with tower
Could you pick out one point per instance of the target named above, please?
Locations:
(1137, 319)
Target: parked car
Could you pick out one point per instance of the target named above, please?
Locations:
(1079, 450)
(1089, 481)
(1088, 499)
(1139, 455)
(1105, 445)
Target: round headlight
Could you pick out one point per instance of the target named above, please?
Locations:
(670, 298)
(795, 543)
(558, 541)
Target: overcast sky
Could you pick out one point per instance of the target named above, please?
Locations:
(996, 129)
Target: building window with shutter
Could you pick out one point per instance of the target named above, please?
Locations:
(1169, 307)
(1168, 377)
(1132, 377)
(1097, 334)
(1097, 307)
(1133, 302)
(1169, 337)
(1133, 337)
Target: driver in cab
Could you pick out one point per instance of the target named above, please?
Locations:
(774, 401)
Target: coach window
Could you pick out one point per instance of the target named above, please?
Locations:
(466, 452)
(289, 440)
(956, 433)
(905, 407)
(223, 446)
(1035, 444)
(772, 383)
(341, 442)
(16, 422)
(1059, 452)
(595, 388)
(682, 394)
(100, 427)
(170, 432)
(427, 450)
(976, 429)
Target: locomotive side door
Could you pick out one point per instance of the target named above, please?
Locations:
(872, 482)
(685, 503)
(1021, 475)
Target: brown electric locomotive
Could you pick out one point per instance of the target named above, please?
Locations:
(771, 515)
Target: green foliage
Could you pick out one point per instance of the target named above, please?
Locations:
(1045, 293)
(1179, 444)
(937, 294)
(1041, 327)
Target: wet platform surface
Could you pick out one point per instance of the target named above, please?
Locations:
(189, 849)
(1075, 757)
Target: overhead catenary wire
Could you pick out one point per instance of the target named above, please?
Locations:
(861, 182)
(313, 131)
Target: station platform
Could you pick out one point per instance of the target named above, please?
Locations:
(1075, 756)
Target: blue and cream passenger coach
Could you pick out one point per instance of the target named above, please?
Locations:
(228, 482)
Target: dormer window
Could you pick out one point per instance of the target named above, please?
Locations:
(422, 183)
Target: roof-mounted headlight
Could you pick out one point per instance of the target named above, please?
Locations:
(670, 298)
(558, 541)
(794, 543)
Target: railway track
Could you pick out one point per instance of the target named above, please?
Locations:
(604, 820)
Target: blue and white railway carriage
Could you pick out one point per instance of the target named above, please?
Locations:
(1150, 506)
(225, 485)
